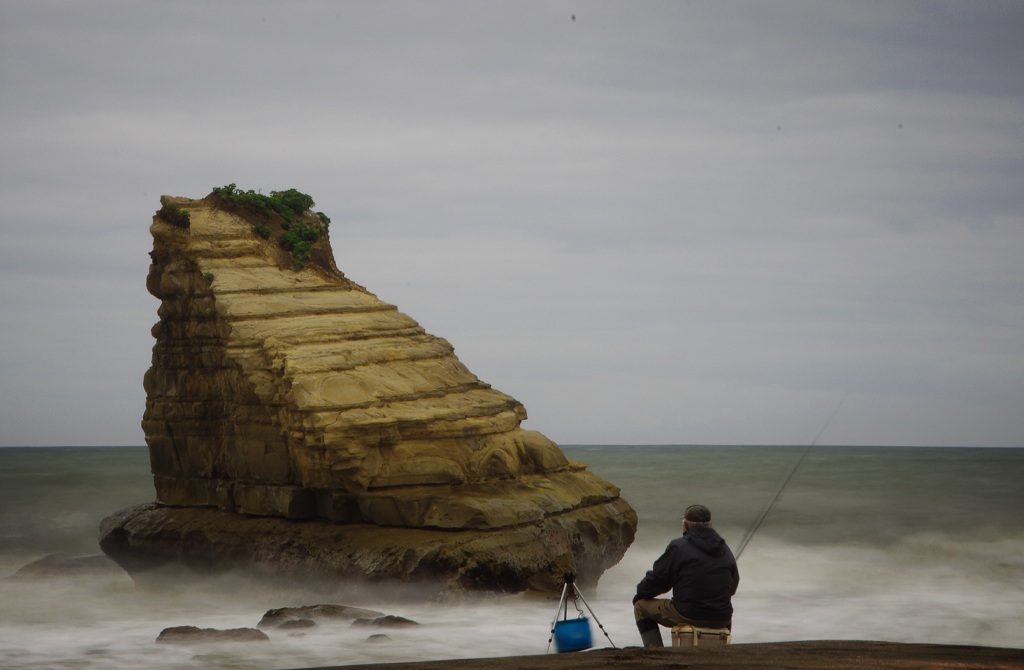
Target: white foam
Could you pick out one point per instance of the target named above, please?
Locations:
(924, 589)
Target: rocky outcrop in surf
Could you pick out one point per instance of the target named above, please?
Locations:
(193, 635)
(296, 423)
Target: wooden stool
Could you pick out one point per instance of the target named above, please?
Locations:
(686, 635)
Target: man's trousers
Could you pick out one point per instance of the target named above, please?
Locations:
(650, 613)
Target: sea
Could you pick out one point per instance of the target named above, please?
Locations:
(838, 543)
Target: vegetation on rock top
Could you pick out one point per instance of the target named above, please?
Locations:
(173, 214)
(290, 210)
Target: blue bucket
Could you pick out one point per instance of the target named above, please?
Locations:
(572, 635)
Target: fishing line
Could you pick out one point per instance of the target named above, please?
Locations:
(778, 495)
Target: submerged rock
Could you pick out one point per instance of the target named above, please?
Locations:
(285, 615)
(293, 624)
(66, 565)
(389, 621)
(298, 424)
(193, 635)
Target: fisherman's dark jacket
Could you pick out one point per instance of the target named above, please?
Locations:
(700, 570)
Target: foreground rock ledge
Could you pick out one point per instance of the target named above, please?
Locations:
(298, 425)
(814, 655)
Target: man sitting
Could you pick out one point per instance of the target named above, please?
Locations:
(700, 570)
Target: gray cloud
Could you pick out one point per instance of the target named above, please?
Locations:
(661, 222)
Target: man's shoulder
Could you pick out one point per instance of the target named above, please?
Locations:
(680, 542)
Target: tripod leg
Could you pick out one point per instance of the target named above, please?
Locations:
(561, 602)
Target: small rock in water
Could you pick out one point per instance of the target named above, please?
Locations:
(281, 615)
(388, 621)
(377, 638)
(193, 635)
(297, 623)
(66, 565)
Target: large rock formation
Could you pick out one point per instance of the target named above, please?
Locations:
(297, 423)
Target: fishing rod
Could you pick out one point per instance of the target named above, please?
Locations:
(764, 513)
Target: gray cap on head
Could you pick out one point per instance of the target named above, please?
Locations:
(697, 513)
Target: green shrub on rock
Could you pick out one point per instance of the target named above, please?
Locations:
(299, 239)
(291, 201)
(301, 227)
(173, 214)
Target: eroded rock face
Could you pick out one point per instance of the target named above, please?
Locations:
(278, 395)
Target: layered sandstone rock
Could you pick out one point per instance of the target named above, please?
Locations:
(278, 395)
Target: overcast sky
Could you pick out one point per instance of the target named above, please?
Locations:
(650, 222)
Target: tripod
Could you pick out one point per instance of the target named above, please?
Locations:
(569, 589)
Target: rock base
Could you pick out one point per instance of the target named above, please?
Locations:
(585, 541)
